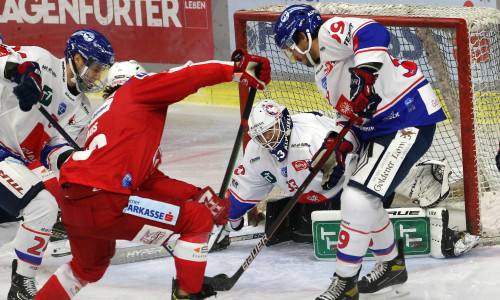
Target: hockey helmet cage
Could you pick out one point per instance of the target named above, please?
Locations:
(98, 55)
(295, 18)
(122, 71)
(270, 125)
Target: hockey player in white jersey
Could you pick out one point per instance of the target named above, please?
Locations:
(33, 76)
(395, 111)
(282, 145)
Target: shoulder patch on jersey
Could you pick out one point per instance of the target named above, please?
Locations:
(300, 165)
(254, 160)
(268, 176)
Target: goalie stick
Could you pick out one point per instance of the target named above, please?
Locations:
(148, 252)
(222, 282)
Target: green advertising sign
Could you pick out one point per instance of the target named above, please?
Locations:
(414, 231)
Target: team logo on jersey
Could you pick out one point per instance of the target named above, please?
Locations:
(47, 96)
(126, 181)
(268, 176)
(410, 105)
(284, 172)
(300, 165)
(328, 68)
(272, 110)
(152, 210)
(62, 108)
(324, 84)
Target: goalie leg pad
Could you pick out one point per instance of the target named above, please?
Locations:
(284, 232)
(18, 185)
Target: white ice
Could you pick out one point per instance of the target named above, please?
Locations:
(196, 149)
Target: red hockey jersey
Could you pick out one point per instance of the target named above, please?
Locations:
(123, 139)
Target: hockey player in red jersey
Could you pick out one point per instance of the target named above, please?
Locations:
(114, 190)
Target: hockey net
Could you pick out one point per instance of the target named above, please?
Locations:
(459, 55)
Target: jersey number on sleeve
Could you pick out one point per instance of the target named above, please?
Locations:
(338, 28)
(98, 141)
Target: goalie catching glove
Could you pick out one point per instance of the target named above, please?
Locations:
(251, 70)
(334, 167)
(363, 96)
(217, 206)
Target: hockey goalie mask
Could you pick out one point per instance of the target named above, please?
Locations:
(270, 126)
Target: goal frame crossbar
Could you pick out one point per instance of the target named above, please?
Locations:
(470, 172)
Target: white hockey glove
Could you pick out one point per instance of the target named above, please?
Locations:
(427, 184)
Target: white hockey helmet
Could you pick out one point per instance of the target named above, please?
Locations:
(269, 126)
(122, 71)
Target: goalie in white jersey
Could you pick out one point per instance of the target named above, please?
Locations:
(31, 76)
(279, 154)
(395, 112)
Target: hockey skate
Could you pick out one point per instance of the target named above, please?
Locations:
(22, 288)
(206, 292)
(387, 278)
(341, 289)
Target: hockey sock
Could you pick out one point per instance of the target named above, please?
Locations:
(190, 262)
(62, 285)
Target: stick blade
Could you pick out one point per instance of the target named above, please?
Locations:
(219, 282)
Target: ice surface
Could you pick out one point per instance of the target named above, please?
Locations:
(196, 148)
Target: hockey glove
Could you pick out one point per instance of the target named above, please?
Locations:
(251, 70)
(334, 167)
(363, 96)
(498, 159)
(217, 206)
(29, 84)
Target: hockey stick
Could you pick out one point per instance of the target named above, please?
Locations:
(148, 252)
(58, 127)
(234, 154)
(222, 282)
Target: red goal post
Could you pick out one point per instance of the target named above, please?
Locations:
(460, 57)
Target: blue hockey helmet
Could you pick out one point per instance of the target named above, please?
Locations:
(98, 55)
(270, 126)
(295, 18)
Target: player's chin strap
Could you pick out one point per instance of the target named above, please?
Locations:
(307, 52)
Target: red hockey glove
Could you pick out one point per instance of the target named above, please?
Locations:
(365, 99)
(498, 159)
(217, 206)
(29, 84)
(334, 167)
(251, 70)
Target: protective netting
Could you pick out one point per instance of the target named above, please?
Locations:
(435, 51)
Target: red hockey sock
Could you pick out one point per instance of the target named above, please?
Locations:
(52, 290)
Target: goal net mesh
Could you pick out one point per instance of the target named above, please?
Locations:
(436, 50)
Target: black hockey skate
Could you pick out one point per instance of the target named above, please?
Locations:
(206, 291)
(341, 289)
(387, 278)
(22, 288)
